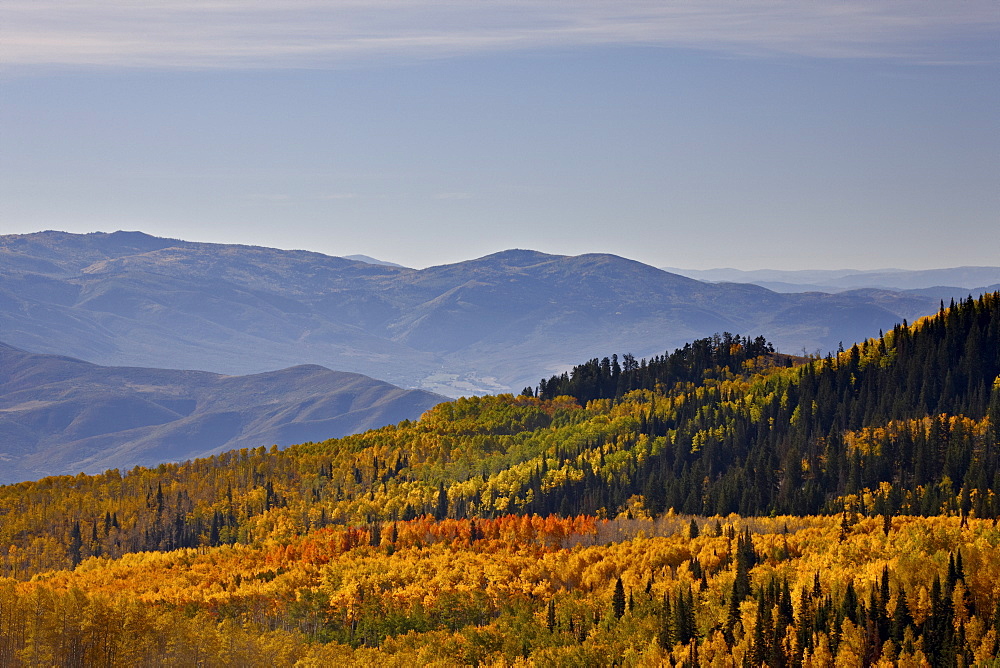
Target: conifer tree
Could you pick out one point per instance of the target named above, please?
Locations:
(618, 599)
(75, 545)
(901, 617)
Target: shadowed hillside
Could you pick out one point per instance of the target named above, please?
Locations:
(63, 415)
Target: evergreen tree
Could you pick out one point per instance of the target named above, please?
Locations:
(666, 637)
(75, 545)
(901, 617)
(618, 599)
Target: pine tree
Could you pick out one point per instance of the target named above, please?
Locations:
(684, 621)
(618, 599)
(75, 545)
(760, 649)
(441, 511)
(666, 636)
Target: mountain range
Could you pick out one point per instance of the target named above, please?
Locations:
(496, 323)
(927, 281)
(63, 415)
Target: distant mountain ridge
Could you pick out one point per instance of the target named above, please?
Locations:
(979, 279)
(371, 260)
(495, 323)
(62, 415)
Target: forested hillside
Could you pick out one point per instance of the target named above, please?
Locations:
(606, 514)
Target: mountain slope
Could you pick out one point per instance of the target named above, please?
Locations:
(501, 528)
(489, 324)
(63, 415)
(904, 424)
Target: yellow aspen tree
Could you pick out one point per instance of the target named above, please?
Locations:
(820, 657)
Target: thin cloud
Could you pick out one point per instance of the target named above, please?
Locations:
(311, 33)
(273, 198)
(338, 196)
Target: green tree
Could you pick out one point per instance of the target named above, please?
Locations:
(618, 599)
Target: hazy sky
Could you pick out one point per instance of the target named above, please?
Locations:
(693, 134)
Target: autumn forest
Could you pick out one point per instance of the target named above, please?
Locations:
(722, 504)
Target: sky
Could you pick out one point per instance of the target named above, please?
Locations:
(694, 134)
